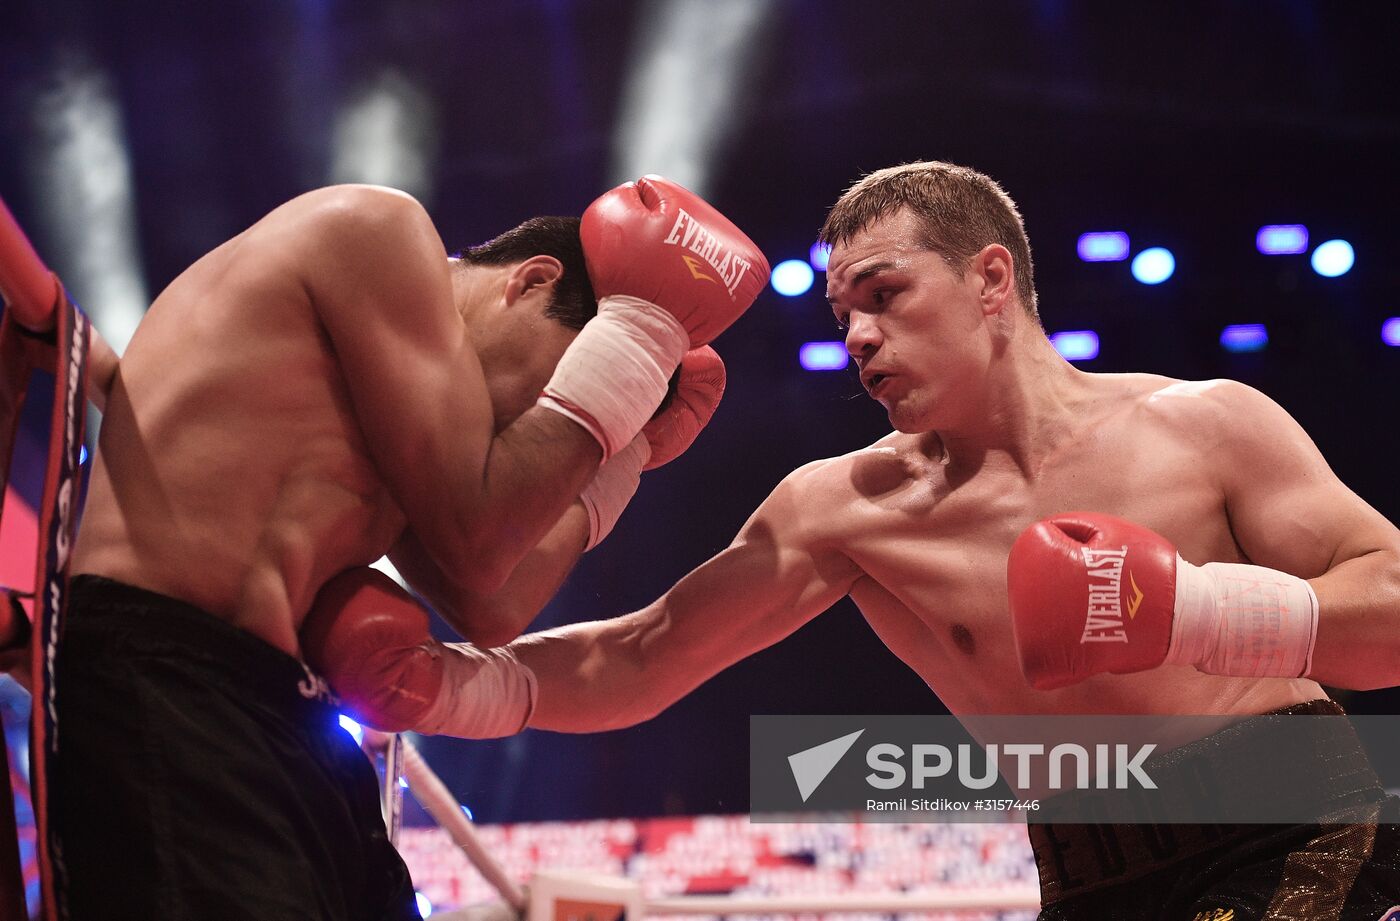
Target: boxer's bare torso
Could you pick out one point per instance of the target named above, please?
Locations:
(232, 472)
(927, 543)
(322, 389)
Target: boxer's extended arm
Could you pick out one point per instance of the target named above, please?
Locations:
(378, 276)
(778, 574)
(1289, 512)
(371, 640)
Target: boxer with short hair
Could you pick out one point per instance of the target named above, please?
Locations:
(999, 444)
(325, 388)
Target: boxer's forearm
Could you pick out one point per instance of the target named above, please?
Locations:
(1358, 632)
(609, 674)
(595, 676)
(101, 370)
(498, 618)
(763, 586)
(534, 473)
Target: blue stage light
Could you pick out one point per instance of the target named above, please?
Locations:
(1244, 337)
(792, 277)
(425, 908)
(823, 356)
(1390, 332)
(352, 727)
(819, 256)
(1103, 246)
(1282, 239)
(1076, 345)
(1154, 266)
(1333, 258)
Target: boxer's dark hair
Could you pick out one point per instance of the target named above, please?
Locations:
(573, 303)
(961, 211)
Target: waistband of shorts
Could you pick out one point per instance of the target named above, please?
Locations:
(132, 621)
(1077, 858)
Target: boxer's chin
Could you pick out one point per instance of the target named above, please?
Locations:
(908, 427)
(907, 419)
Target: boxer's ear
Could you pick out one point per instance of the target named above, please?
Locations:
(993, 265)
(531, 275)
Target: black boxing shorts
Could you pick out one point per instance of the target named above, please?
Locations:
(202, 774)
(1185, 872)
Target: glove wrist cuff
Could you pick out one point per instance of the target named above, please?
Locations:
(486, 694)
(614, 374)
(1243, 620)
(612, 487)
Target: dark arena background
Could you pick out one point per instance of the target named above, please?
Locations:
(1237, 159)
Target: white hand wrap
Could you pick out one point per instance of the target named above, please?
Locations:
(614, 374)
(486, 694)
(612, 488)
(1242, 620)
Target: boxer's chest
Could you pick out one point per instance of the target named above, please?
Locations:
(935, 550)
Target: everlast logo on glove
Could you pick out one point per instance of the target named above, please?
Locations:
(690, 234)
(1103, 622)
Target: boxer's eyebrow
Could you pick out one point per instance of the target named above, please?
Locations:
(866, 273)
(863, 276)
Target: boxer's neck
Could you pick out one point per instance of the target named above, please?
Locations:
(1030, 402)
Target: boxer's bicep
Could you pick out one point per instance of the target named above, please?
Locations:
(776, 575)
(782, 569)
(765, 585)
(379, 281)
(1290, 512)
(1287, 509)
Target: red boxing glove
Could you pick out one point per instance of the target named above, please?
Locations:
(1089, 593)
(370, 640)
(698, 392)
(1092, 593)
(668, 435)
(654, 240)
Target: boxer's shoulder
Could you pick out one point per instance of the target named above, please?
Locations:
(1218, 410)
(345, 234)
(832, 485)
(1188, 396)
(341, 208)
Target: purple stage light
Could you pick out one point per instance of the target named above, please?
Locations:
(1076, 345)
(1282, 239)
(1244, 337)
(1103, 246)
(823, 356)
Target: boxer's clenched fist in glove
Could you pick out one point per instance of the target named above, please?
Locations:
(1092, 593)
(654, 241)
(671, 273)
(699, 386)
(370, 639)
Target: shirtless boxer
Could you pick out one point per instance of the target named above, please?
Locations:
(930, 273)
(322, 389)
